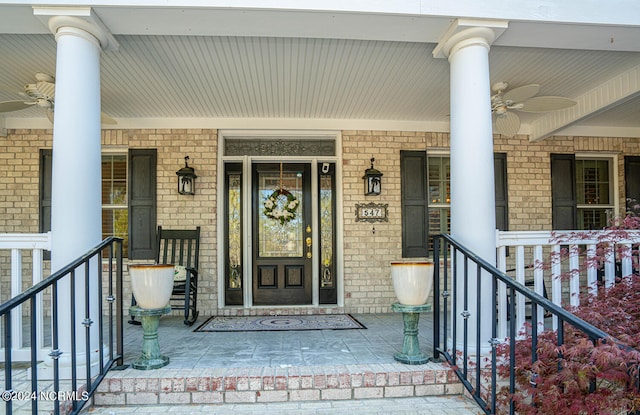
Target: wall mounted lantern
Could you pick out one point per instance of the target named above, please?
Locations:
(372, 181)
(186, 179)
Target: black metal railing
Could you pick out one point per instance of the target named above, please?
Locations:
(453, 300)
(110, 344)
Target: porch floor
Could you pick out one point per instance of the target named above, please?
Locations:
(321, 371)
(279, 349)
(316, 371)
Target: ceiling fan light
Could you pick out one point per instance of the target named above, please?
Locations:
(43, 103)
(500, 111)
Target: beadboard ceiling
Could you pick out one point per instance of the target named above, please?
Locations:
(253, 74)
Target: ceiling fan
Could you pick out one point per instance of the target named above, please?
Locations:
(41, 94)
(520, 99)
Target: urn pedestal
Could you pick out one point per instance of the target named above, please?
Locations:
(151, 358)
(412, 282)
(152, 286)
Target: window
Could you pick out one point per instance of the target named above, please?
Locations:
(128, 199)
(115, 213)
(439, 185)
(426, 198)
(594, 193)
(583, 191)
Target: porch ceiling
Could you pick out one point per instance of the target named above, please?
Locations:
(258, 69)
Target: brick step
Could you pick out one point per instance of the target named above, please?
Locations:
(281, 384)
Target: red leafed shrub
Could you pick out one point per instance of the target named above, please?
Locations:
(544, 389)
(579, 377)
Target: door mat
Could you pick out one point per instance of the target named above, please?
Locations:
(281, 323)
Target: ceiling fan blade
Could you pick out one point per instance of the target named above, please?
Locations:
(508, 124)
(544, 104)
(50, 114)
(8, 106)
(521, 93)
(105, 119)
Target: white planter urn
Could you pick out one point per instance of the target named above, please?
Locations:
(151, 285)
(412, 281)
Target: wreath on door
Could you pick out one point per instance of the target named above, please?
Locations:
(281, 205)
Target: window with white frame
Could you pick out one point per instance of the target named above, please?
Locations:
(439, 185)
(128, 195)
(115, 214)
(595, 190)
(426, 198)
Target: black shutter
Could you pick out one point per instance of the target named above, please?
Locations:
(500, 172)
(413, 176)
(563, 192)
(142, 203)
(44, 214)
(45, 190)
(632, 182)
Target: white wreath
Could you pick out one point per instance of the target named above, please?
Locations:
(284, 211)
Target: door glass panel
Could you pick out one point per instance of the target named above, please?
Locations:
(280, 238)
(235, 231)
(326, 231)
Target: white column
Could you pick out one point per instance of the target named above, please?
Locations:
(76, 187)
(473, 221)
(76, 182)
(76, 213)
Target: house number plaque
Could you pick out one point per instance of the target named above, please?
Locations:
(372, 212)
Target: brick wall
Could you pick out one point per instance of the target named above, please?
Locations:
(19, 170)
(368, 247)
(19, 188)
(181, 211)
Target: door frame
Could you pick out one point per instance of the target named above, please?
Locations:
(247, 255)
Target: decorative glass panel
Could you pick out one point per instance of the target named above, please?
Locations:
(326, 231)
(234, 242)
(308, 146)
(280, 238)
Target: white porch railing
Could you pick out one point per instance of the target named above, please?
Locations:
(12, 246)
(533, 258)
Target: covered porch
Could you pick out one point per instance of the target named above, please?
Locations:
(422, 90)
(295, 366)
(376, 92)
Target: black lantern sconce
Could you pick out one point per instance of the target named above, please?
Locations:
(372, 181)
(186, 179)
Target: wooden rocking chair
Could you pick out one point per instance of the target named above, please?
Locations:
(181, 248)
